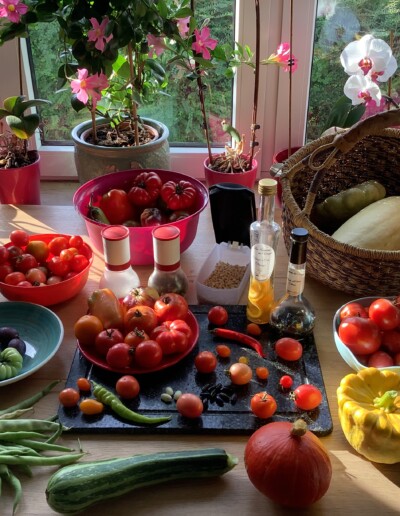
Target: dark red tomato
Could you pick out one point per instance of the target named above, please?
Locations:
(170, 307)
(14, 278)
(353, 309)
(218, 315)
(205, 362)
(362, 336)
(288, 349)
(116, 206)
(119, 356)
(79, 262)
(178, 195)
(391, 341)
(189, 405)
(75, 241)
(24, 283)
(24, 262)
(57, 244)
(5, 269)
(145, 189)
(380, 359)
(148, 354)
(171, 341)
(4, 254)
(57, 266)
(151, 217)
(127, 387)
(307, 397)
(141, 317)
(13, 253)
(384, 314)
(135, 337)
(106, 340)
(19, 237)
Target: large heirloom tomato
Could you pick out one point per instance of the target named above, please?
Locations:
(145, 189)
(178, 195)
(171, 340)
(116, 206)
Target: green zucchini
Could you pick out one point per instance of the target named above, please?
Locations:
(76, 487)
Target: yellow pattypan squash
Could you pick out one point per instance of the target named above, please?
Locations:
(369, 412)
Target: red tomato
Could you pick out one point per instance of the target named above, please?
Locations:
(53, 280)
(135, 337)
(67, 254)
(57, 266)
(79, 262)
(83, 384)
(391, 341)
(69, 397)
(288, 349)
(380, 359)
(205, 362)
(24, 262)
(178, 195)
(19, 237)
(263, 405)
(148, 354)
(75, 241)
(36, 276)
(119, 356)
(384, 314)
(13, 253)
(396, 360)
(14, 278)
(170, 307)
(141, 317)
(38, 249)
(189, 405)
(5, 269)
(218, 315)
(4, 254)
(127, 387)
(179, 325)
(106, 339)
(307, 397)
(286, 381)
(362, 336)
(223, 350)
(24, 283)
(116, 206)
(353, 309)
(171, 341)
(57, 244)
(145, 190)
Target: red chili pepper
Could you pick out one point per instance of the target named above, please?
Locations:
(247, 340)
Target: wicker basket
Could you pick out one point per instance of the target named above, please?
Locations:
(369, 150)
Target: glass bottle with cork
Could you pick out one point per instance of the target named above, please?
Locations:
(118, 274)
(168, 275)
(264, 237)
(293, 313)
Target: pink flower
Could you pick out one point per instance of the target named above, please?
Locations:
(284, 57)
(203, 42)
(156, 44)
(12, 9)
(89, 86)
(361, 90)
(98, 33)
(183, 26)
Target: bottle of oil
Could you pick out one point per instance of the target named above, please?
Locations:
(264, 236)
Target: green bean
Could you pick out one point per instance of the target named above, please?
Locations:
(26, 470)
(16, 485)
(18, 450)
(53, 438)
(29, 402)
(55, 460)
(15, 414)
(110, 399)
(44, 445)
(15, 436)
(15, 425)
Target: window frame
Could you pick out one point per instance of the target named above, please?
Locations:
(57, 162)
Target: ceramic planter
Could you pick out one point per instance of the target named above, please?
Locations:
(247, 178)
(21, 185)
(95, 160)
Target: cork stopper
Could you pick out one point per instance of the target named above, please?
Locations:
(166, 247)
(117, 253)
(267, 186)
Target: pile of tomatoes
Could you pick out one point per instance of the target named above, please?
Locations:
(372, 333)
(26, 262)
(151, 331)
(149, 201)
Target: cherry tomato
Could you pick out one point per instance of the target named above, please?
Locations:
(189, 405)
(13, 253)
(353, 309)
(148, 354)
(106, 339)
(19, 237)
(57, 244)
(83, 384)
(79, 262)
(53, 280)
(91, 407)
(240, 374)
(14, 278)
(127, 387)
(69, 397)
(288, 349)
(362, 336)
(135, 337)
(24, 262)
(38, 249)
(205, 362)
(67, 254)
(262, 372)
(384, 314)
(75, 241)
(263, 405)
(307, 397)
(119, 356)
(286, 381)
(218, 315)
(5, 269)
(171, 341)
(36, 276)
(380, 359)
(24, 283)
(87, 328)
(171, 306)
(141, 317)
(223, 350)
(57, 266)
(391, 341)
(254, 329)
(4, 254)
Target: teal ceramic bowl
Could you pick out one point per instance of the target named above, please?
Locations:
(40, 328)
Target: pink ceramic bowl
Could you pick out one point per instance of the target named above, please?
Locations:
(140, 237)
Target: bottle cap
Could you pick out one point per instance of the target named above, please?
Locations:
(117, 254)
(267, 186)
(298, 253)
(166, 247)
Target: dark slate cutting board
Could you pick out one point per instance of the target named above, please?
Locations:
(229, 419)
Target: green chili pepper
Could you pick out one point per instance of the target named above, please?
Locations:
(96, 213)
(108, 398)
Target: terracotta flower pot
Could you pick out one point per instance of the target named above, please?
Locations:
(21, 185)
(247, 178)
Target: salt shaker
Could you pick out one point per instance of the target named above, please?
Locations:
(168, 275)
(118, 274)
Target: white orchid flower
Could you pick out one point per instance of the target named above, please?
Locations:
(361, 89)
(369, 56)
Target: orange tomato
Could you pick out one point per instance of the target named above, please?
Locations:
(86, 328)
(263, 405)
(69, 397)
(91, 407)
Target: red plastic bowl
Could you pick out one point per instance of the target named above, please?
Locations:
(140, 237)
(47, 295)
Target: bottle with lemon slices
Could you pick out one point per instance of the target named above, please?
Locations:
(264, 236)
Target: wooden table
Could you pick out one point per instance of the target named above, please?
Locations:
(358, 486)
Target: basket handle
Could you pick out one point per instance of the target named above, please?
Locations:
(343, 143)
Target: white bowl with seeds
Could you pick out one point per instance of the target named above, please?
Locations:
(224, 275)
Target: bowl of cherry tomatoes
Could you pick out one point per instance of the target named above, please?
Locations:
(141, 200)
(367, 333)
(45, 269)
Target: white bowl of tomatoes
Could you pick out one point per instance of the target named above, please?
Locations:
(367, 333)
